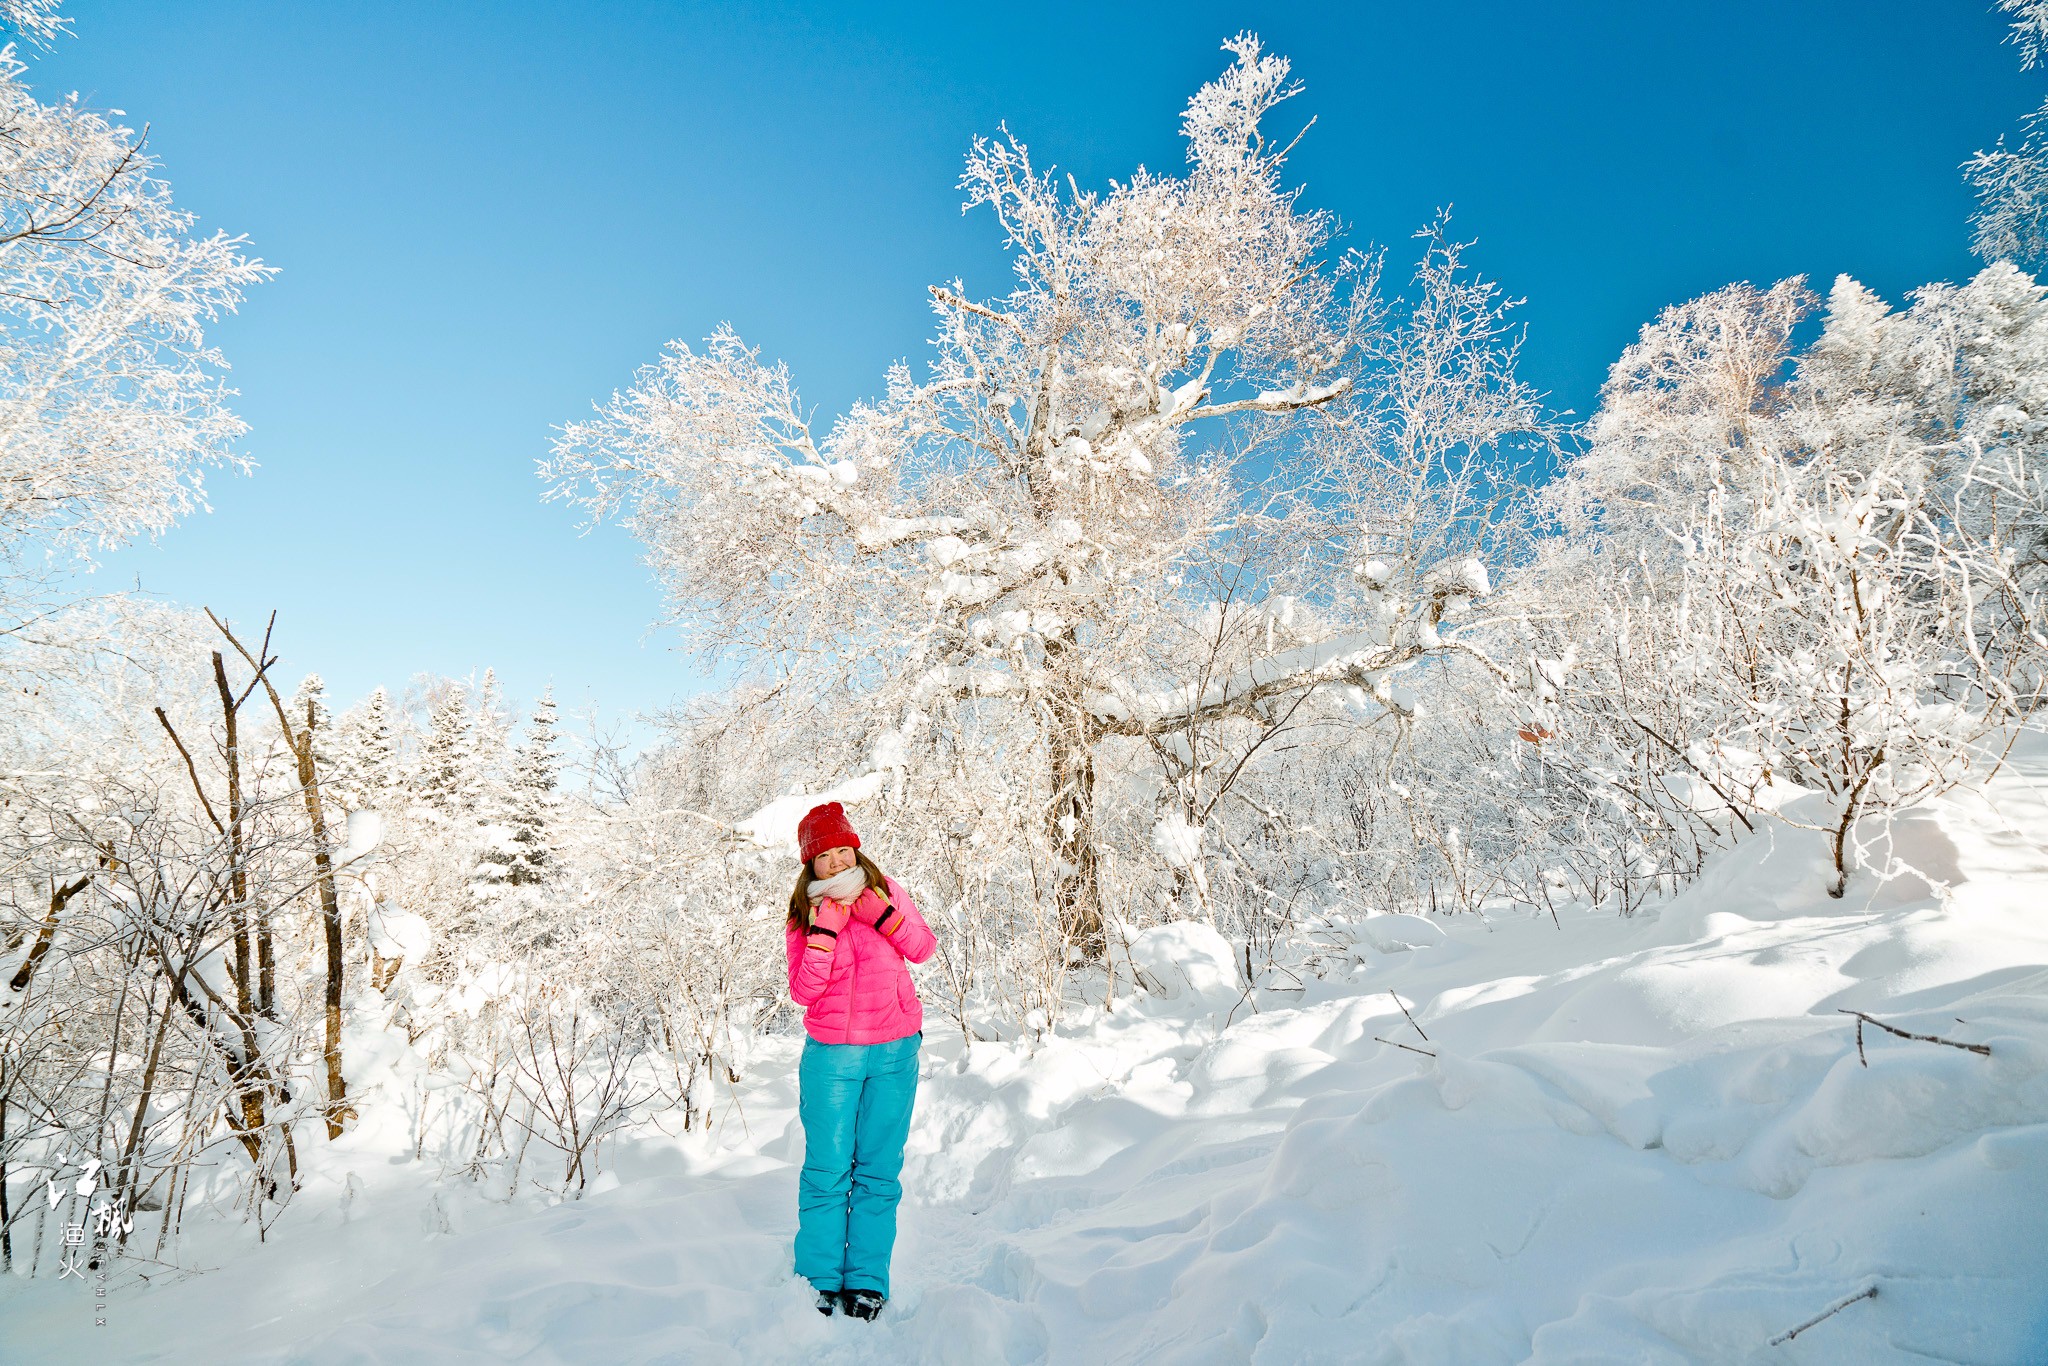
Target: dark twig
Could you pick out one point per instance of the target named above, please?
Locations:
(197, 786)
(1868, 1293)
(1423, 1051)
(1411, 1018)
(1982, 1048)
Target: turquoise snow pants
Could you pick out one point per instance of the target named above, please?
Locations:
(854, 1100)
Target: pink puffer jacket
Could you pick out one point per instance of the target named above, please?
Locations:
(855, 987)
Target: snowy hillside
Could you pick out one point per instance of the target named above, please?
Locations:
(1422, 854)
(1646, 1140)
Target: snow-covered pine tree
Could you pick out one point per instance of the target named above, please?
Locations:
(448, 785)
(535, 773)
(515, 853)
(490, 750)
(497, 800)
(366, 758)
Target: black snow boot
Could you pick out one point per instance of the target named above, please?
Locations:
(862, 1304)
(828, 1301)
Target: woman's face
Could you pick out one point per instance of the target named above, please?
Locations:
(832, 862)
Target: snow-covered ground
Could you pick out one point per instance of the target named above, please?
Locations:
(1647, 1140)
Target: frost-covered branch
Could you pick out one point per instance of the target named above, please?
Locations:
(112, 405)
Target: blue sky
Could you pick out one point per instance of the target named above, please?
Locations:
(487, 215)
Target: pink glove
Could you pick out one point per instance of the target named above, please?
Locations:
(877, 911)
(829, 916)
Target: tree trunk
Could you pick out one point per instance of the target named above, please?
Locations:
(1070, 815)
(338, 1110)
(127, 1192)
(266, 965)
(6, 1232)
(48, 934)
(1839, 883)
(1191, 887)
(245, 1069)
(238, 873)
(1077, 889)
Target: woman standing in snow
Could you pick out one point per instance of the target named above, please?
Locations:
(851, 929)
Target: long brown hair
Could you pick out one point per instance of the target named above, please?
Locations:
(800, 897)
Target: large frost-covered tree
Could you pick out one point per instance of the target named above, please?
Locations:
(993, 548)
(112, 404)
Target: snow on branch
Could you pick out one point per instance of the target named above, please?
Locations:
(1289, 400)
(2029, 29)
(112, 405)
(1365, 659)
(35, 20)
(773, 827)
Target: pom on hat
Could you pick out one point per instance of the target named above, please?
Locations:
(824, 827)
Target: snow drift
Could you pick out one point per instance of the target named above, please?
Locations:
(1644, 1140)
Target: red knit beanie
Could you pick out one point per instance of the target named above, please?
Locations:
(824, 827)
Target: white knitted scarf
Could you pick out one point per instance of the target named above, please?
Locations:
(842, 887)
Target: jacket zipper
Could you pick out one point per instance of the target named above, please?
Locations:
(852, 987)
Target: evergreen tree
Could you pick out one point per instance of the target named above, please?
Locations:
(377, 752)
(535, 772)
(514, 850)
(309, 709)
(448, 783)
(365, 759)
(489, 752)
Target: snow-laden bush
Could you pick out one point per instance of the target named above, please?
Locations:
(1786, 571)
